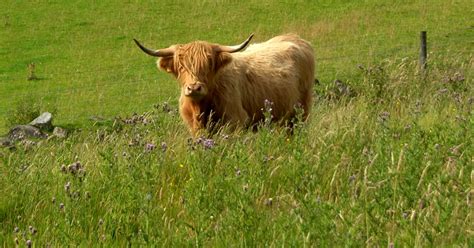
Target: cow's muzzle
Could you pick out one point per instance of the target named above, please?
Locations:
(195, 90)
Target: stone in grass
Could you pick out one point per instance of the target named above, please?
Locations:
(5, 142)
(60, 132)
(43, 121)
(22, 132)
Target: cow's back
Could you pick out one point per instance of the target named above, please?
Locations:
(280, 70)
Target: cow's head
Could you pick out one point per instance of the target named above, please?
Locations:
(194, 64)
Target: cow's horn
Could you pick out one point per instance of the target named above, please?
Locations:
(157, 53)
(233, 49)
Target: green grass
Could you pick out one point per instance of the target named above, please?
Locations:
(393, 164)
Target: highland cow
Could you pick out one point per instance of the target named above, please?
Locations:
(231, 84)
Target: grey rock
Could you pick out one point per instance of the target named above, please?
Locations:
(43, 121)
(22, 132)
(5, 142)
(60, 132)
(27, 144)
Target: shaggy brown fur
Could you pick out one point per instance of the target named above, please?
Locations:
(233, 87)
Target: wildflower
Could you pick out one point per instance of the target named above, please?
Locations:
(208, 143)
(267, 158)
(53, 200)
(101, 221)
(61, 206)
(352, 178)
(164, 146)
(150, 147)
(16, 241)
(269, 201)
(181, 165)
(405, 215)
(28, 243)
(408, 127)
(268, 106)
(133, 142)
(67, 186)
(384, 116)
(166, 107)
(32, 230)
(16, 230)
(237, 172)
(63, 168)
(74, 167)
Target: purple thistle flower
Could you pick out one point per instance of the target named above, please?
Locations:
(150, 147)
(74, 167)
(208, 143)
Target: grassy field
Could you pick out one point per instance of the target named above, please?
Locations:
(390, 164)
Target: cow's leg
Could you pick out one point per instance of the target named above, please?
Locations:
(306, 103)
(236, 117)
(191, 114)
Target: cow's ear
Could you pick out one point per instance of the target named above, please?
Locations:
(222, 60)
(167, 64)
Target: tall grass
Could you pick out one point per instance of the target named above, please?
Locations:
(392, 165)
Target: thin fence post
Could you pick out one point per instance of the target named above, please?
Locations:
(423, 53)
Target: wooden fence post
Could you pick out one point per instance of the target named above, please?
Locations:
(423, 53)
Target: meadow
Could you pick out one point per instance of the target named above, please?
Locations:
(387, 163)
